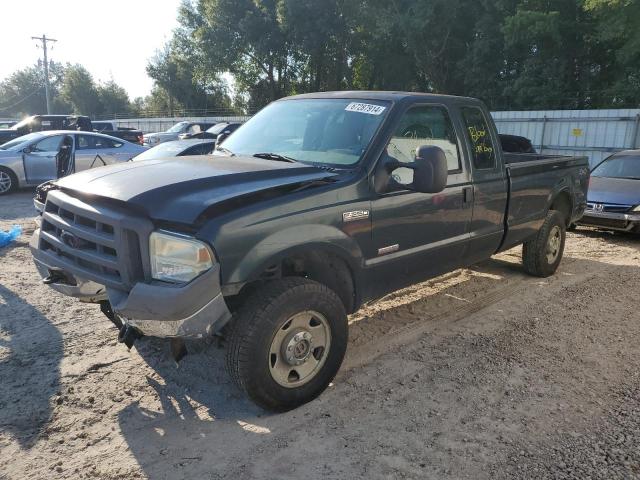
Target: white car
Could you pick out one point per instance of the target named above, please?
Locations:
(31, 159)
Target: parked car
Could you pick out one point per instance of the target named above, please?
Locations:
(152, 139)
(4, 124)
(319, 203)
(112, 129)
(225, 129)
(35, 158)
(178, 148)
(613, 201)
(516, 144)
(40, 123)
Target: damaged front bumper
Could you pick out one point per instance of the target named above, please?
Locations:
(623, 222)
(155, 309)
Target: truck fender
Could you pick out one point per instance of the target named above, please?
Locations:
(273, 249)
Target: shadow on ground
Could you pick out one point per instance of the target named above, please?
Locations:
(31, 349)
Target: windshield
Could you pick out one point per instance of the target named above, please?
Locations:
(619, 166)
(20, 142)
(178, 127)
(22, 123)
(216, 129)
(164, 150)
(332, 132)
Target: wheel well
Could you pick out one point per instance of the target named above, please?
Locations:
(323, 267)
(562, 203)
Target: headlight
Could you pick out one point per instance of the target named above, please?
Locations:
(176, 258)
(636, 209)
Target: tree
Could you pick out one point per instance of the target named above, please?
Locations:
(22, 93)
(80, 91)
(113, 99)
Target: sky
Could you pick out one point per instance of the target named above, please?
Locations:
(110, 38)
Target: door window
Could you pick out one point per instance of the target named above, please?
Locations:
(49, 144)
(91, 142)
(423, 125)
(484, 154)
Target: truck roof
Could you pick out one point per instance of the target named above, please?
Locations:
(383, 95)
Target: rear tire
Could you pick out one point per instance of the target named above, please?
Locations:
(287, 343)
(542, 255)
(8, 181)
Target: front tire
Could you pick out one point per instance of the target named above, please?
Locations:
(287, 343)
(542, 254)
(8, 181)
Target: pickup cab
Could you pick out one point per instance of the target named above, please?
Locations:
(42, 123)
(318, 204)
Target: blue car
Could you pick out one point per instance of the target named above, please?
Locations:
(613, 200)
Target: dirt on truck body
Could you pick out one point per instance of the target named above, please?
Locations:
(483, 373)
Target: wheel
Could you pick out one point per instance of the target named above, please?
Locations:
(287, 343)
(8, 181)
(542, 254)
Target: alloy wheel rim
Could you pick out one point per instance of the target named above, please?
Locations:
(5, 182)
(553, 244)
(299, 349)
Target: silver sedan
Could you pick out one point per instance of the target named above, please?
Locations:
(31, 160)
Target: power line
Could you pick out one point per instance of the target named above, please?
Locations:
(44, 41)
(4, 109)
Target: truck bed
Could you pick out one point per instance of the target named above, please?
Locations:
(532, 179)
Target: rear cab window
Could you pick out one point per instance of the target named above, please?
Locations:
(479, 135)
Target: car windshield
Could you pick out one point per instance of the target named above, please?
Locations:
(22, 123)
(178, 127)
(333, 132)
(619, 166)
(20, 142)
(164, 150)
(216, 129)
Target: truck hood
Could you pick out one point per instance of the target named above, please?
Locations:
(623, 191)
(181, 189)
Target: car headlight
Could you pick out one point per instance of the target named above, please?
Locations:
(636, 209)
(177, 258)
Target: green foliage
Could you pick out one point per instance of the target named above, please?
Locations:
(72, 88)
(519, 54)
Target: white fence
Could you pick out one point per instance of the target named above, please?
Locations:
(594, 133)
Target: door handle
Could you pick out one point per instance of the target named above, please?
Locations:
(467, 195)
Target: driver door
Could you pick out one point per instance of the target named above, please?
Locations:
(40, 160)
(419, 235)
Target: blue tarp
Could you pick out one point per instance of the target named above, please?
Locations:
(7, 237)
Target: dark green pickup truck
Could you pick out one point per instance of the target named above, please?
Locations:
(319, 203)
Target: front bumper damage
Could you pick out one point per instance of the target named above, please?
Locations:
(623, 222)
(156, 309)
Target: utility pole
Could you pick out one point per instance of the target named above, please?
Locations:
(43, 39)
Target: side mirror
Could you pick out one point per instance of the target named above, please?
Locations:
(221, 137)
(430, 171)
(26, 150)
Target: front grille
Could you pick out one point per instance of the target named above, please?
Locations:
(609, 207)
(97, 243)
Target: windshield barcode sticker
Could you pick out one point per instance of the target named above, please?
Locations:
(365, 108)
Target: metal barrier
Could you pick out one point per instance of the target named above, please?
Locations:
(594, 133)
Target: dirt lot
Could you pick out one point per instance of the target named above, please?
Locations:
(481, 373)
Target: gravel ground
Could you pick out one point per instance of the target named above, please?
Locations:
(483, 373)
